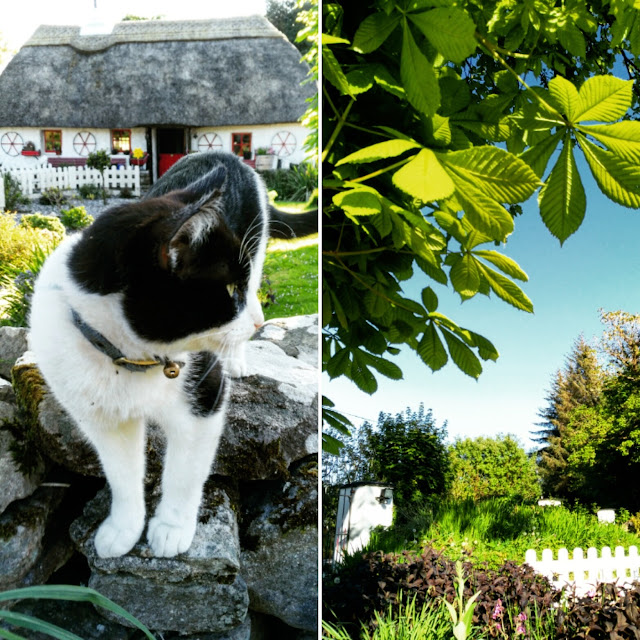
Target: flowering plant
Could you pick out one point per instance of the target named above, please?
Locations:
(264, 151)
(138, 153)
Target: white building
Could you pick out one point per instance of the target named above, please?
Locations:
(165, 87)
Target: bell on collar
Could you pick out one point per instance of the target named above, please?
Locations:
(171, 369)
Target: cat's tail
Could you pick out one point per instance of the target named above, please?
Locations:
(292, 225)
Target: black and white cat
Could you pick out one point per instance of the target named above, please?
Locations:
(139, 319)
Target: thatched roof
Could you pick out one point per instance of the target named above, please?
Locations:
(238, 71)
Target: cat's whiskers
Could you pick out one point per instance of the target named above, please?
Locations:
(245, 247)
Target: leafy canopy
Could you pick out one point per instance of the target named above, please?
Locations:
(441, 118)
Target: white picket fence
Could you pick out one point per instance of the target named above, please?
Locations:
(586, 573)
(37, 179)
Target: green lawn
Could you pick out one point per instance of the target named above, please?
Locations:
(290, 283)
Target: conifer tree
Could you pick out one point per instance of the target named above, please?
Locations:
(578, 383)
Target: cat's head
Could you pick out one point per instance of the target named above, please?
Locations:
(187, 264)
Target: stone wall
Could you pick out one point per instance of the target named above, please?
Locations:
(251, 572)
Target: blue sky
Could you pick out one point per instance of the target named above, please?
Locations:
(598, 267)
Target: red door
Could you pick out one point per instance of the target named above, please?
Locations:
(171, 147)
(166, 160)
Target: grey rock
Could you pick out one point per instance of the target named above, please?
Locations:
(24, 551)
(280, 554)
(297, 336)
(271, 420)
(15, 484)
(6, 392)
(13, 343)
(200, 590)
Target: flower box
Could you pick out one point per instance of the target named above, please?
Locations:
(139, 161)
(265, 162)
(27, 152)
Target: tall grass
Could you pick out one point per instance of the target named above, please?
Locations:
(402, 622)
(499, 529)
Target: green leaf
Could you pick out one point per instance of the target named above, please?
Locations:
(486, 350)
(441, 129)
(340, 363)
(360, 81)
(74, 594)
(605, 98)
(562, 199)
(331, 445)
(332, 71)
(373, 31)
(376, 301)
(384, 366)
(358, 202)
(483, 212)
(506, 290)
(35, 624)
(460, 353)
(424, 178)
(450, 30)
(329, 39)
(504, 263)
(360, 374)
(573, 40)
(429, 299)
(498, 173)
(538, 155)
(418, 77)
(618, 179)
(465, 276)
(431, 349)
(565, 96)
(623, 138)
(380, 151)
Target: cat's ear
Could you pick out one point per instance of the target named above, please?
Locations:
(201, 216)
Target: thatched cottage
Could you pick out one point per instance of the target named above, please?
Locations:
(165, 87)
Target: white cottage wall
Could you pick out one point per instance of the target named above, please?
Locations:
(267, 136)
(9, 143)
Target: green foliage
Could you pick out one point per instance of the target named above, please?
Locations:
(101, 161)
(17, 284)
(91, 191)
(592, 451)
(408, 451)
(492, 467)
(578, 383)
(294, 184)
(308, 18)
(39, 221)
(498, 529)
(401, 622)
(13, 196)
(53, 196)
(75, 218)
(417, 98)
(17, 243)
(59, 592)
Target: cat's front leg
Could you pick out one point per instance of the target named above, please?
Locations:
(235, 360)
(191, 446)
(121, 452)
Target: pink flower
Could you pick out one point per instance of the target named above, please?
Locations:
(521, 617)
(498, 610)
(520, 630)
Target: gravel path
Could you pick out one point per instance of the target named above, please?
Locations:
(93, 207)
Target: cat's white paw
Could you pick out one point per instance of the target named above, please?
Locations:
(167, 539)
(113, 541)
(236, 367)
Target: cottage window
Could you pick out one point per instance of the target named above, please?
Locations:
(52, 140)
(241, 144)
(120, 140)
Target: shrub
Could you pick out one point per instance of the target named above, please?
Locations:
(13, 196)
(53, 196)
(18, 285)
(373, 582)
(91, 191)
(49, 223)
(295, 184)
(17, 242)
(126, 192)
(75, 218)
